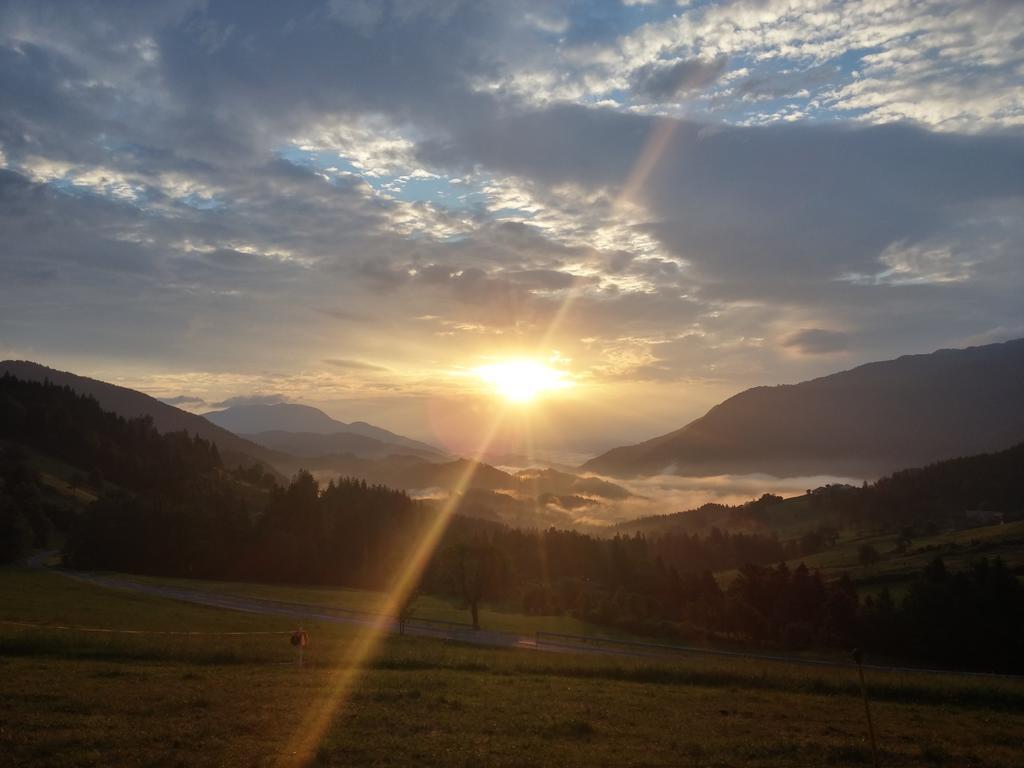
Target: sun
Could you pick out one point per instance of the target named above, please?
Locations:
(522, 381)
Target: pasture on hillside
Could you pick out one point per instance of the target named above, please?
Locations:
(895, 569)
(958, 550)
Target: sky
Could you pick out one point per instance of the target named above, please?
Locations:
(357, 204)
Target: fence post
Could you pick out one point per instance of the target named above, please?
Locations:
(858, 656)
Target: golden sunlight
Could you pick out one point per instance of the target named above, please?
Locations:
(522, 380)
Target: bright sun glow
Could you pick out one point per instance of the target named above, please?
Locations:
(522, 381)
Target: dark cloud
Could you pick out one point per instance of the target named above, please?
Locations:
(545, 279)
(355, 365)
(666, 81)
(345, 315)
(775, 85)
(762, 210)
(817, 341)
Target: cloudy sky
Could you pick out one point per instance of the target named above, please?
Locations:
(353, 204)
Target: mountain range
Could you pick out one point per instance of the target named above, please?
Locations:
(303, 430)
(313, 445)
(864, 422)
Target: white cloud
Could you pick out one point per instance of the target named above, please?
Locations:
(944, 63)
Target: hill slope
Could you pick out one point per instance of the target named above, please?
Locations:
(292, 417)
(130, 404)
(315, 445)
(864, 422)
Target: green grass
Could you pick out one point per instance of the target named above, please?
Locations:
(56, 477)
(79, 496)
(71, 699)
(958, 549)
(492, 617)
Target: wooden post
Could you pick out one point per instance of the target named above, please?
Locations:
(299, 639)
(858, 656)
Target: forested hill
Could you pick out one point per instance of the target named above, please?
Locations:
(163, 503)
(948, 490)
(129, 403)
(61, 452)
(130, 453)
(865, 422)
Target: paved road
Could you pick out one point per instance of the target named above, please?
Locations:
(304, 612)
(547, 642)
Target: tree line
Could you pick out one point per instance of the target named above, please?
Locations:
(969, 620)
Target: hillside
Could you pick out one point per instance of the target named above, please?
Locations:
(253, 420)
(954, 494)
(864, 422)
(130, 404)
(62, 458)
(314, 444)
(412, 473)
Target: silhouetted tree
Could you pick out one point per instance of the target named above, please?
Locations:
(476, 571)
(867, 555)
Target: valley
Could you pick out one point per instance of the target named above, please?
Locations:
(418, 572)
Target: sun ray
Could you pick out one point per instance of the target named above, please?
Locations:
(522, 381)
(661, 134)
(304, 743)
(658, 141)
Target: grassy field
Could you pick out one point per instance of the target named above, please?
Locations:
(958, 549)
(492, 617)
(57, 477)
(70, 698)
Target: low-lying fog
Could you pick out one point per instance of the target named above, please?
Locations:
(664, 494)
(657, 495)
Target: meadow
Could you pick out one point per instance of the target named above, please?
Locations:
(71, 698)
(895, 569)
(493, 616)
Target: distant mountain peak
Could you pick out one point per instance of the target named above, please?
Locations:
(263, 417)
(863, 422)
(252, 420)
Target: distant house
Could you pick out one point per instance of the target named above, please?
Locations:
(984, 516)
